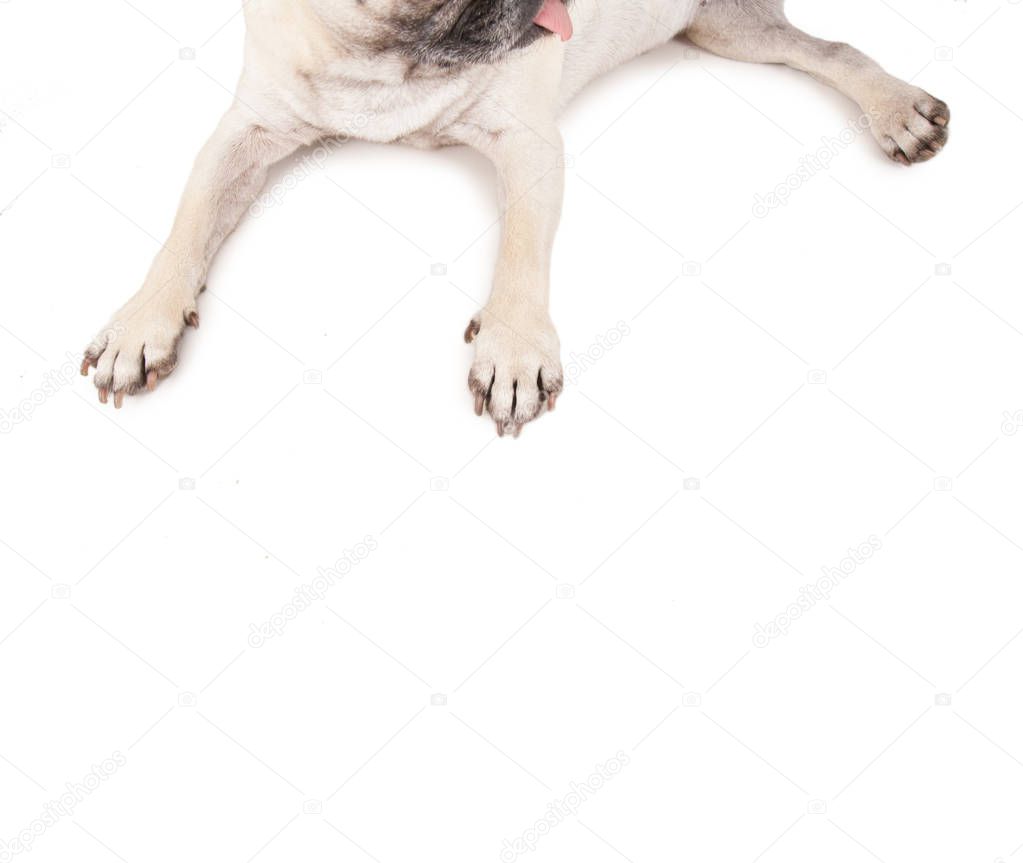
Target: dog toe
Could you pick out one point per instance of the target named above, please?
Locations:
(136, 351)
(516, 375)
(911, 125)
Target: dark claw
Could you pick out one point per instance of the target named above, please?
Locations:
(472, 331)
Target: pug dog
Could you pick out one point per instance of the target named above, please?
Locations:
(490, 74)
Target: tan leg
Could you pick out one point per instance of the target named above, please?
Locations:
(517, 371)
(139, 345)
(516, 374)
(908, 123)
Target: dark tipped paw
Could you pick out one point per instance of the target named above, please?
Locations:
(913, 127)
(137, 350)
(516, 376)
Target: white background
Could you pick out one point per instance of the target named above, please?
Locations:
(789, 387)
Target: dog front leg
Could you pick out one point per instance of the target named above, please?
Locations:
(516, 373)
(138, 346)
(910, 124)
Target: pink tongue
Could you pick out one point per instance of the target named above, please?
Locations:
(554, 17)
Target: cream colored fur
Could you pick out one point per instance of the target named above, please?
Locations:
(311, 73)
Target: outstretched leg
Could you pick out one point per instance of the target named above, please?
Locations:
(139, 345)
(908, 123)
(516, 375)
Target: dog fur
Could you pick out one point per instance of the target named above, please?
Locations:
(471, 72)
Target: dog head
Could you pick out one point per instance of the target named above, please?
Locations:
(451, 32)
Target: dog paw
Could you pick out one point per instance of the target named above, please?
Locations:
(910, 124)
(516, 375)
(138, 347)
